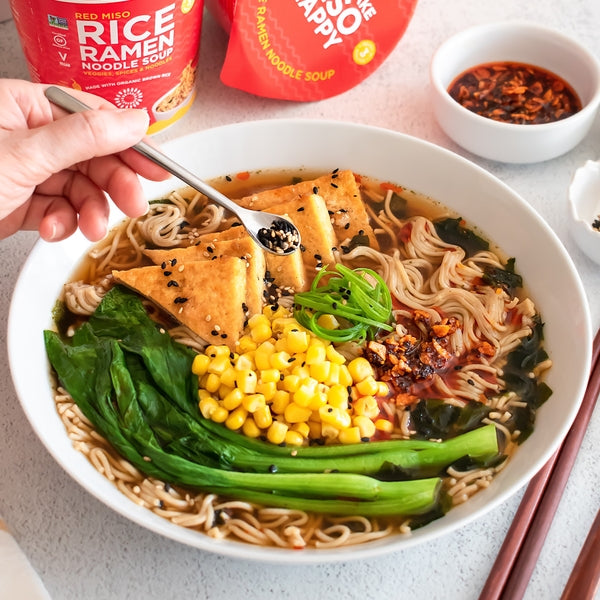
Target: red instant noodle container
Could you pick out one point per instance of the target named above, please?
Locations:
(134, 53)
(307, 49)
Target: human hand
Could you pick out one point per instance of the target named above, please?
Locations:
(55, 168)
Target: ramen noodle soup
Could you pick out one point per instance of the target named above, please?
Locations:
(358, 388)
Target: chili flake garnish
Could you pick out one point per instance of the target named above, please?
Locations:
(515, 93)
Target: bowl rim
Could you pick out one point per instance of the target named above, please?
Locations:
(232, 548)
(522, 27)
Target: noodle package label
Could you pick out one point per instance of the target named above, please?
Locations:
(307, 50)
(134, 53)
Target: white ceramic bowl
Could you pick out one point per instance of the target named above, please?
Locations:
(498, 212)
(524, 43)
(584, 208)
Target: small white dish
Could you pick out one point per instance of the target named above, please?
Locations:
(521, 43)
(584, 208)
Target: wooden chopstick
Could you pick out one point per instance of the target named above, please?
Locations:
(518, 555)
(585, 576)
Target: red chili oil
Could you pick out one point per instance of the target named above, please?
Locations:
(517, 93)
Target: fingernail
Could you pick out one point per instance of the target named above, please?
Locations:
(57, 231)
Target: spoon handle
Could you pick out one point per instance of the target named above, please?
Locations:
(71, 104)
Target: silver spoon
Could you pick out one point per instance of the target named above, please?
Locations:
(272, 232)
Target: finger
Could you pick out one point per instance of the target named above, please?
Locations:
(75, 138)
(119, 182)
(52, 216)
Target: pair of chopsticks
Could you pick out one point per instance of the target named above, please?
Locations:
(518, 555)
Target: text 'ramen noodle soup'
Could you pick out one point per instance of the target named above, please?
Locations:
(134, 53)
(307, 50)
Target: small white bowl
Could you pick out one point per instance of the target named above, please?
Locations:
(584, 208)
(522, 43)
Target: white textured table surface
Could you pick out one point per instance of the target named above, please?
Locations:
(83, 550)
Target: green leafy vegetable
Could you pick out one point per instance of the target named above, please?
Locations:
(505, 278)
(359, 297)
(110, 368)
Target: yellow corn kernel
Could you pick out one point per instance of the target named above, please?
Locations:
(223, 391)
(302, 371)
(279, 324)
(280, 360)
(316, 352)
(228, 377)
(384, 425)
(246, 344)
(261, 332)
(297, 341)
(268, 389)
(262, 355)
(200, 364)
(279, 401)
(213, 351)
(207, 406)
(302, 428)
(246, 381)
(320, 371)
(367, 387)
(250, 428)
(276, 432)
(319, 399)
(334, 374)
(258, 319)
(294, 413)
(220, 415)
(305, 392)
(329, 431)
(272, 312)
(367, 406)
(203, 394)
(252, 402)
(245, 362)
(350, 435)
(333, 355)
(344, 376)
(383, 390)
(263, 417)
(314, 430)
(328, 322)
(337, 396)
(236, 418)
(210, 382)
(366, 426)
(233, 399)
(270, 376)
(291, 383)
(293, 438)
(335, 416)
(360, 369)
(219, 364)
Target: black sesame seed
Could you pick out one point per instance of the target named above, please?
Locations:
(224, 335)
(214, 332)
(470, 382)
(210, 249)
(173, 262)
(272, 468)
(365, 439)
(172, 283)
(180, 300)
(167, 273)
(315, 190)
(227, 177)
(300, 209)
(334, 185)
(163, 265)
(236, 224)
(347, 226)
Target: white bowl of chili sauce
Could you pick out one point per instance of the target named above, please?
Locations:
(514, 92)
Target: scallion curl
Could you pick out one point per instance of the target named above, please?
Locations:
(359, 298)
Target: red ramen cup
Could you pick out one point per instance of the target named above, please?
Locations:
(134, 53)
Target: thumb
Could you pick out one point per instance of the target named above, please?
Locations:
(76, 138)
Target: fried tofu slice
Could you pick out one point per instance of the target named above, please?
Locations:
(212, 307)
(341, 194)
(310, 216)
(243, 247)
(287, 271)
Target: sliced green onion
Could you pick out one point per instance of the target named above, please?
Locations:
(359, 297)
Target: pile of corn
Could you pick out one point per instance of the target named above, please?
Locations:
(288, 386)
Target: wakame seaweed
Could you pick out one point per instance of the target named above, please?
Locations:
(505, 278)
(453, 232)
